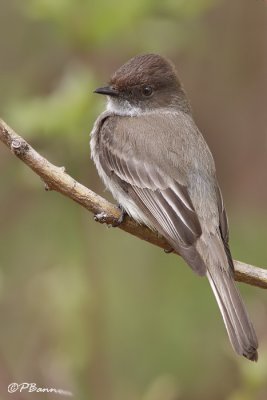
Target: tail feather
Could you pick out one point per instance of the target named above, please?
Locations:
(238, 325)
(239, 328)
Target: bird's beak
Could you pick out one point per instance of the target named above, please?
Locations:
(107, 90)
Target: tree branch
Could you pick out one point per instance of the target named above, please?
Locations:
(55, 178)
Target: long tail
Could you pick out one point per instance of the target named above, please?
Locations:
(238, 325)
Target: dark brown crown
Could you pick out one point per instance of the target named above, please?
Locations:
(145, 69)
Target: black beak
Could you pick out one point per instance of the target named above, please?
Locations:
(107, 90)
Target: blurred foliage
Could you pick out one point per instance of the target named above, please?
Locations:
(82, 24)
(71, 99)
(86, 23)
(94, 22)
(96, 311)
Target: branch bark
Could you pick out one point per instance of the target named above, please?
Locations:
(55, 178)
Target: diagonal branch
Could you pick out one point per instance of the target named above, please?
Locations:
(55, 178)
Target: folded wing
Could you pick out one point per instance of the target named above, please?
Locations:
(164, 201)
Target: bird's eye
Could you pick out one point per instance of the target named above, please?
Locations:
(147, 91)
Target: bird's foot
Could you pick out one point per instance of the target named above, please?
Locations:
(121, 218)
(101, 217)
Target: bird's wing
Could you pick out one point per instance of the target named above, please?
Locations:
(165, 201)
(224, 229)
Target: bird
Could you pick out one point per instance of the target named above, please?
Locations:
(154, 160)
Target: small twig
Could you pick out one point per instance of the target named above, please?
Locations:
(55, 178)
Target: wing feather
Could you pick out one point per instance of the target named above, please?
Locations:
(224, 229)
(164, 200)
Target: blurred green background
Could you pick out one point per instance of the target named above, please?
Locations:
(90, 309)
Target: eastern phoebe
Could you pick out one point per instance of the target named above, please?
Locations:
(154, 160)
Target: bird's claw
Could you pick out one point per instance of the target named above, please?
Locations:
(120, 220)
(101, 217)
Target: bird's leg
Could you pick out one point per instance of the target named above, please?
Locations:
(121, 217)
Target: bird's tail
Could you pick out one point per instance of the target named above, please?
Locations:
(238, 325)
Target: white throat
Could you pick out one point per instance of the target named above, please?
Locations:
(123, 107)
